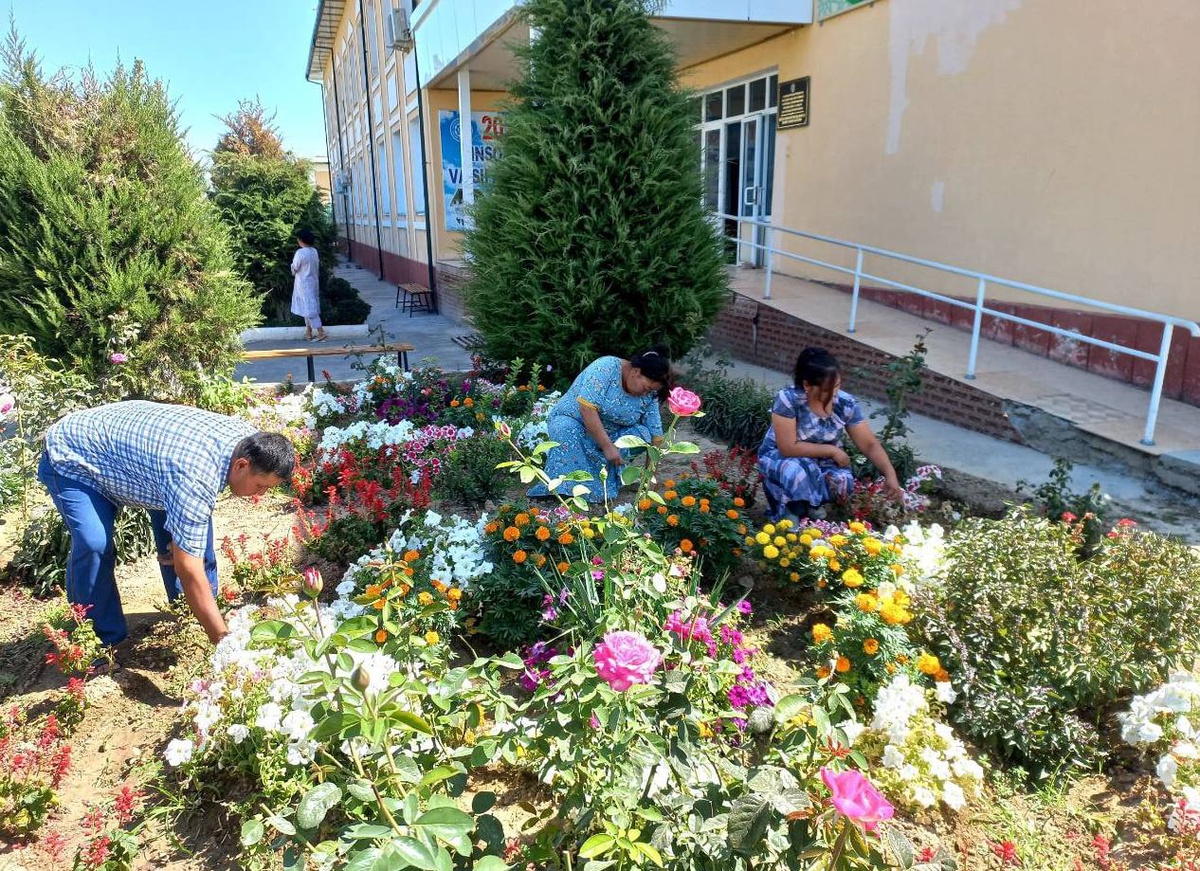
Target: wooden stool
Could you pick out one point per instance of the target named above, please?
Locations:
(411, 297)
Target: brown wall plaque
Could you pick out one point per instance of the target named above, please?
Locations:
(793, 103)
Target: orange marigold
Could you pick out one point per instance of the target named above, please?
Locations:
(732, 515)
(542, 534)
(662, 509)
(520, 557)
(411, 556)
(843, 665)
(686, 546)
(381, 636)
(566, 538)
(521, 519)
(669, 495)
(644, 504)
(739, 502)
(469, 402)
(562, 567)
(512, 533)
(541, 560)
(672, 520)
(491, 527)
(688, 501)
(454, 403)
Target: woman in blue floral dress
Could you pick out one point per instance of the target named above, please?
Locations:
(609, 399)
(801, 462)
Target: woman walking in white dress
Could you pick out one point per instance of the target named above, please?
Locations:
(306, 301)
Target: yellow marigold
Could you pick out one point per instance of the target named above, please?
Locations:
(784, 525)
(411, 556)
(806, 540)
(866, 602)
(852, 578)
(542, 534)
(890, 668)
(835, 566)
(520, 557)
(705, 730)
(511, 533)
(432, 637)
(791, 537)
(857, 527)
(686, 546)
(739, 502)
(815, 533)
(732, 515)
(843, 665)
(894, 615)
(688, 501)
(779, 541)
(381, 636)
(749, 539)
(784, 563)
(566, 538)
(454, 594)
(823, 672)
(762, 538)
(521, 519)
(794, 577)
(901, 598)
(928, 664)
(821, 633)
(672, 520)
(770, 551)
(425, 597)
(769, 529)
(873, 546)
(837, 539)
(589, 533)
(897, 569)
(871, 647)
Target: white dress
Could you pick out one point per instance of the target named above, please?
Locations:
(306, 284)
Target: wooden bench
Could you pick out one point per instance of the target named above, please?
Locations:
(400, 349)
(411, 297)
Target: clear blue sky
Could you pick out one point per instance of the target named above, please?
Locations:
(210, 55)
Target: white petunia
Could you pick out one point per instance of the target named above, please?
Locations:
(1167, 770)
(923, 796)
(239, 732)
(179, 751)
(952, 795)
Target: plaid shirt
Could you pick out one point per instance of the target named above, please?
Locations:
(170, 458)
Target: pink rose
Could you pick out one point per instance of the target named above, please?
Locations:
(683, 402)
(857, 798)
(7, 403)
(626, 658)
(118, 358)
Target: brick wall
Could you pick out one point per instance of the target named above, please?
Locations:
(396, 269)
(769, 337)
(451, 278)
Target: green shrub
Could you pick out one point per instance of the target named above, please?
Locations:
(736, 410)
(510, 603)
(341, 304)
(469, 475)
(108, 243)
(1041, 644)
(591, 234)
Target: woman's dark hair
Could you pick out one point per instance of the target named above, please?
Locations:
(654, 363)
(307, 237)
(817, 367)
(269, 453)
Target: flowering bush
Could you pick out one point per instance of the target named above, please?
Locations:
(735, 470)
(269, 569)
(111, 843)
(921, 761)
(1166, 721)
(869, 500)
(34, 758)
(73, 639)
(830, 557)
(696, 516)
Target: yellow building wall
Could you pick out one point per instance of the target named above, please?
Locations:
(1047, 141)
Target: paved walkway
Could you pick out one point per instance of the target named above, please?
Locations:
(432, 335)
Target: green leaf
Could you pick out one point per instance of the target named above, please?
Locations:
(272, 630)
(491, 863)
(790, 707)
(483, 802)
(252, 832)
(748, 821)
(281, 825)
(649, 852)
(316, 803)
(370, 859)
(367, 831)
(446, 823)
(630, 442)
(412, 721)
(361, 790)
(437, 775)
(412, 851)
(596, 845)
(631, 474)
(684, 448)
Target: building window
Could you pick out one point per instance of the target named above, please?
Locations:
(418, 164)
(372, 39)
(398, 173)
(385, 187)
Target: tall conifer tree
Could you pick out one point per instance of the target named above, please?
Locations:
(590, 236)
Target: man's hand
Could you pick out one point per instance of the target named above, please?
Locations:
(196, 590)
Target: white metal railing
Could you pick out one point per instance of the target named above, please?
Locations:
(982, 280)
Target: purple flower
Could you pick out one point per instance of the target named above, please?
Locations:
(118, 358)
(594, 722)
(745, 607)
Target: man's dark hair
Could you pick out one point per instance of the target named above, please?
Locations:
(269, 453)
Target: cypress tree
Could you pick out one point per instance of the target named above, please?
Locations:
(590, 237)
(108, 243)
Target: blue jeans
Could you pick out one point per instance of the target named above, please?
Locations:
(89, 516)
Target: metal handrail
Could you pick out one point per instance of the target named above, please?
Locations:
(983, 279)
